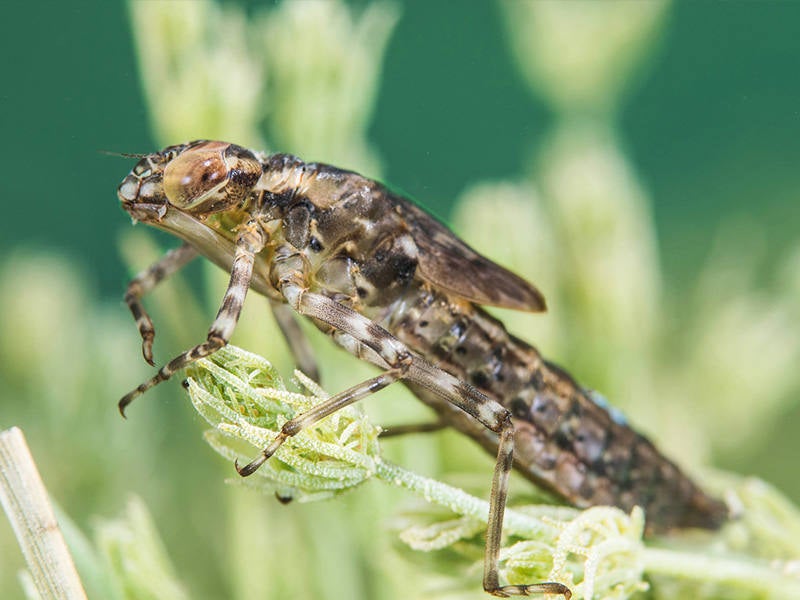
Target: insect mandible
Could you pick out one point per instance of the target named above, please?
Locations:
(395, 287)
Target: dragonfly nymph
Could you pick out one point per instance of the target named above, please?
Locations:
(393, 286)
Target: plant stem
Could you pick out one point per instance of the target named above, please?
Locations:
(27, 506)
(455, 499)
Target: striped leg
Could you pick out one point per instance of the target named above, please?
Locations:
(296, 339)
(248, 243)
(403, 364)
(320, 411)
(144, 283)
(412, 428)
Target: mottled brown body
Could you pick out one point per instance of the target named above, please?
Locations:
(564, 441)
(393, 286)
(358, 239)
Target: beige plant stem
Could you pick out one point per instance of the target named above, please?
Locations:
(25, 501)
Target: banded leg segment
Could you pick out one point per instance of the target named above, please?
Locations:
(319, 412)
(494, 528)
(412, 428)
(248, 243)
(403, 364)
(296, 339)
(143, 284)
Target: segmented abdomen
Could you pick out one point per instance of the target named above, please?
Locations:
(564, 440)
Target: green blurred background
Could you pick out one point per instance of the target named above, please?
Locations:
(709, 122)
(712, 126)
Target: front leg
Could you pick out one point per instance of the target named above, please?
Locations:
(404, 364)
(144, 283)
(249, 241)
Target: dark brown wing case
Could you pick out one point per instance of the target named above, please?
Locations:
(450, 264)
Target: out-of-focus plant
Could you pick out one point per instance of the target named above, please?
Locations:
(135, 556)
(61, 359)
(307, 72)
(198, 75)
(580, 56)
(124, 560)
(727, 367)
(62, 363)
(324, 67)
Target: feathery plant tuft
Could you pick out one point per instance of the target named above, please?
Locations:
(244, 398)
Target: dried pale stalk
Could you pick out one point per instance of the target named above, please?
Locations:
(27, 506)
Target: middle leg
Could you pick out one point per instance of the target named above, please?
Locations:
(296, 339)
(405, 364)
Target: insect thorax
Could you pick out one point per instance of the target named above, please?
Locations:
(354, 245)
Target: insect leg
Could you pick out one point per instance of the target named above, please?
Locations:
(296, 339)
(406, 365)
(249, 241)
(320, 411)
(398, 430)
(144, 283)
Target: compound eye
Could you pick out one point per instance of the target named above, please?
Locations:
(194, 175)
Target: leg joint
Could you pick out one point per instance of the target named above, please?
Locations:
(504, 422)
(133, 293)
(215, 341)
(291, 428)
(403, 361)
(293, 294)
